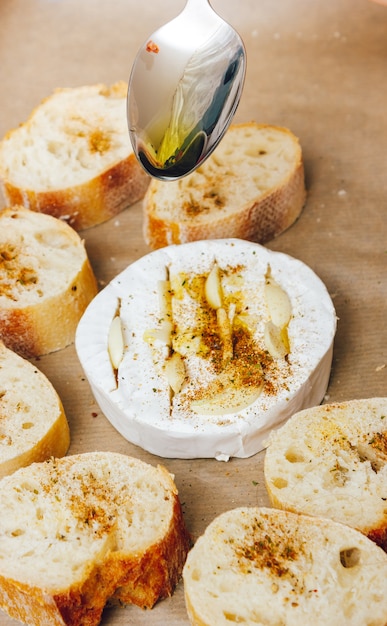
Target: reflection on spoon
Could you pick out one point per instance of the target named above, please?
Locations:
(179, 113)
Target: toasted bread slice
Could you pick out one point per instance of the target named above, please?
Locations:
(84, 529)
(33, 424)
(259, 566)
(73, 158)
(251, 187)
(332, 461)
(46, 282)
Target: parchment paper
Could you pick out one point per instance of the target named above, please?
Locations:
(318, 68)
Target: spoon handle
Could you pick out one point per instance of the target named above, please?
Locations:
(202, 11)
(197, 3)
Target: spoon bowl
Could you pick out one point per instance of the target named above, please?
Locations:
(184, 89)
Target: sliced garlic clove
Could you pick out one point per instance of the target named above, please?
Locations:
(278, 303)
(161, 335)
(246, 321)
(165, 298)
(225, 331)
(186, 343)
(285, 338)
(228, 401)
(231, 312)
(274, 340)
(175, 371)
(213, 288)
(116, 342)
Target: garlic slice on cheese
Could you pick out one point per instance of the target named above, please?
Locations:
(226, 401)
(175, 371)
(276, 340)
(280, 312)
(162, 334)
(116, 342)
(278, 302)
(188, 423)
(225, 332)
(213, 288)
(165, 298)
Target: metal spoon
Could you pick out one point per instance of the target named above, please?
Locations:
(184, 89)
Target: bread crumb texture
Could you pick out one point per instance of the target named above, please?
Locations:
(73, 158)
(252, 187)
(37, 256)
(264, 566)
(77, 132)
(332, 461)
(46, 281)
(85, 529)
(33, 425)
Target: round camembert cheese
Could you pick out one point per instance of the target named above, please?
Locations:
(200, 349)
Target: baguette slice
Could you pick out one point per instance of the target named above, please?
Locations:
(46, 282)
(260, 566)
(251, 187)
(186, 380)
(73, 158)
(332, 461)
(85, 529)
(33, 424)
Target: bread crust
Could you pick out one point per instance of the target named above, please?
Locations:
(111, 187)
(264, 566)
(89, 204)
(32, 418)
(38, 330)
(55, 443)
(46, 323)
(324, 459)
(155, 575)
(260, 219)
(121, 572)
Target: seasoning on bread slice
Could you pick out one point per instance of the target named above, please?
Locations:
(46, 281)
(200, 349)
(251, 187)
(33, 424)
(73, 158)
(331, 461)
(85, 529)
(258, 566)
